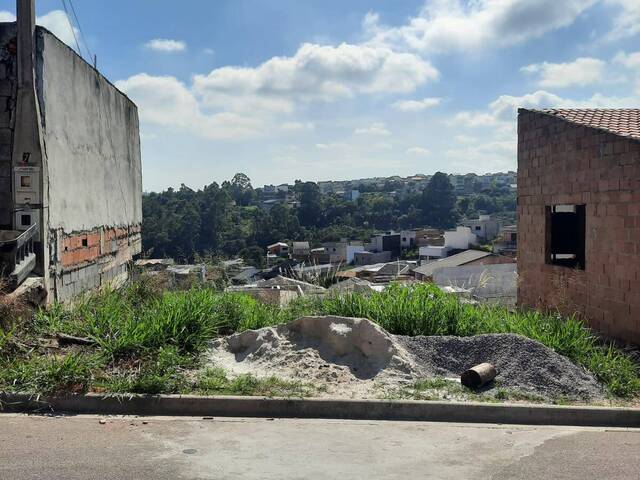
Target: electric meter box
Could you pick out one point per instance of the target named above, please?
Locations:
(27, 185)
(26, 217)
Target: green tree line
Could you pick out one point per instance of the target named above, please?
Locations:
(224, 220)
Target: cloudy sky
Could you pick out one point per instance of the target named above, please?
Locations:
(335, 89)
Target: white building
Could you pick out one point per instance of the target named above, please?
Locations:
(484, 227)
(460, 239)
(407, 239)
(431, 252)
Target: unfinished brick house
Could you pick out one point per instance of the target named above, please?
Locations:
(70, 168)
(579, 216)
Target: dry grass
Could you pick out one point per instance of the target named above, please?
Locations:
(12, 309)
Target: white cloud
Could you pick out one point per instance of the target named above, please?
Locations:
(7, 16)
(627, 21)
(316, 73)
(465, 139)
(331, 146)
(502, 111)
(298, 126)
(378, 129)
(457, 25)
(628, 60)
(209, 51)
(581, 72)
(56, 21)
(166, 45)
(417, 151)
(252, 98)
(167, 102)
(416, 105)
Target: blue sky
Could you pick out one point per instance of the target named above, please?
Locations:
(317, 90)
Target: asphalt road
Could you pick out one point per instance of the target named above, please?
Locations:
(128, 448)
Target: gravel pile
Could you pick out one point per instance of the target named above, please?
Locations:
(355, 358)
(522, 363)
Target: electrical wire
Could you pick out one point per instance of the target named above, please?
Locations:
(84, 37)
(73, 30)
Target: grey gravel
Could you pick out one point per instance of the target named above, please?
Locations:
(523, 364)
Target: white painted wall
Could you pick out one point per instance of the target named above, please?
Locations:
(460, 238)
(352, 250)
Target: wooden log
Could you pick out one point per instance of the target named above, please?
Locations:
(478, 376)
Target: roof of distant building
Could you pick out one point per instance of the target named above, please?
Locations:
(246, 273)
(624, 122)
(453, 261)
(300, 245)
(279, 244)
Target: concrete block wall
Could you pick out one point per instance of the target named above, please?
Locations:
(564, 163)
(8, 85)
(97, 258)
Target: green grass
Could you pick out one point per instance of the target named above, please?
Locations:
(147, 339)
(441, 388)
(214, 381)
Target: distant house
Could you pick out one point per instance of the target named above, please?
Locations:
(279, 249)
(381, 272)
(342, 252)
(407, 239)
(388, 242)
(429, 237)
(351, 195)
(485, 227)
(301, 250)
(506, 243)
(433, 252)
(276, 252)
(369, 258)
(245, 275)
(470, 257)
(461, 238)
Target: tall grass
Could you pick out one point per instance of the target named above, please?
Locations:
(423, 309)
(144, 333)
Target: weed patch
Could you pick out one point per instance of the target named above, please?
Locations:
(148, 339)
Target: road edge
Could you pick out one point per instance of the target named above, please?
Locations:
(189, 405)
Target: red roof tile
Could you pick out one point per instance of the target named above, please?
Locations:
(624, 122)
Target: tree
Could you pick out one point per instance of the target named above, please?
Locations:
(439, 202)
(310, 212)
(241, 189)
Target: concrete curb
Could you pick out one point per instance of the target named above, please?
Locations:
(187, 405)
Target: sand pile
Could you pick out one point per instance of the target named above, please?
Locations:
(348, 355)
(355, 358)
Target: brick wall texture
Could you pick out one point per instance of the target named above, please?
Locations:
(563, 163)
(88, 260)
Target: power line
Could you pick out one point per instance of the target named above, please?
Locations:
(84, 37)
(73, 30)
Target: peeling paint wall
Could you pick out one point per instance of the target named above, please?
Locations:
(94, 171)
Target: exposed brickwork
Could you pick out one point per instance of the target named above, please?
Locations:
(91, 259)
(563, 163)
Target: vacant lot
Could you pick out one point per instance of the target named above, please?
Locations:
(142, 339)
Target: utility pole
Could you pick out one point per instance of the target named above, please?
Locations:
(26, 12)
(28, 148)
